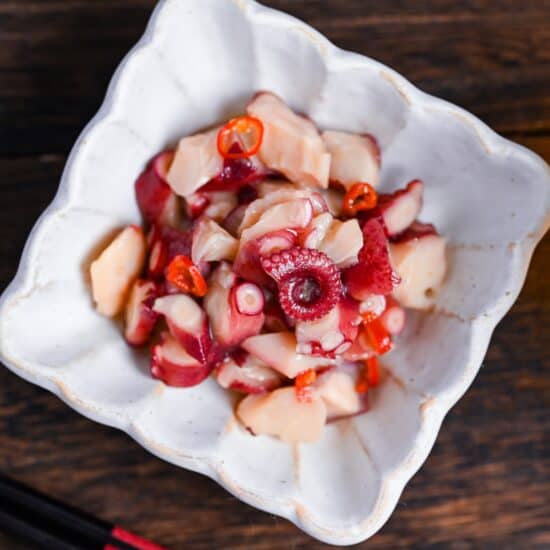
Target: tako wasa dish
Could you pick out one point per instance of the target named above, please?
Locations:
(268, 259)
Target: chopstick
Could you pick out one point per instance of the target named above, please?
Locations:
(53, 525)
(20, 528)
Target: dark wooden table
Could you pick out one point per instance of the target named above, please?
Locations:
(487, 483)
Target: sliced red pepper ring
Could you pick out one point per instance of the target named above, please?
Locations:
(302, 383)
(362, 385)
(379, 337)
(360, 197)
(245, 131)
(186, 276)
(373, 371)
(369, 377)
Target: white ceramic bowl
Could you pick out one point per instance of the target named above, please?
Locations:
(199, 62)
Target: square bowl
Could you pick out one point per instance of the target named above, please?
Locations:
(199, 62)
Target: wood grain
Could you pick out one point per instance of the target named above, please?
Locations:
(487, 483)
(56, 57)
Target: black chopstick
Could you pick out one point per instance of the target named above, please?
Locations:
(20, 528)
(53, 525)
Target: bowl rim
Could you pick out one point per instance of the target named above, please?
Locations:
(433, 413)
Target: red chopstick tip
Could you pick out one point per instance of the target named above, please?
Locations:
(134, 540)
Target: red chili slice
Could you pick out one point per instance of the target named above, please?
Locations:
(369, 377)
(379, 337)
(373, 371)
(360, 197)
(362, 386)
(246, 131)
(185, 275)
